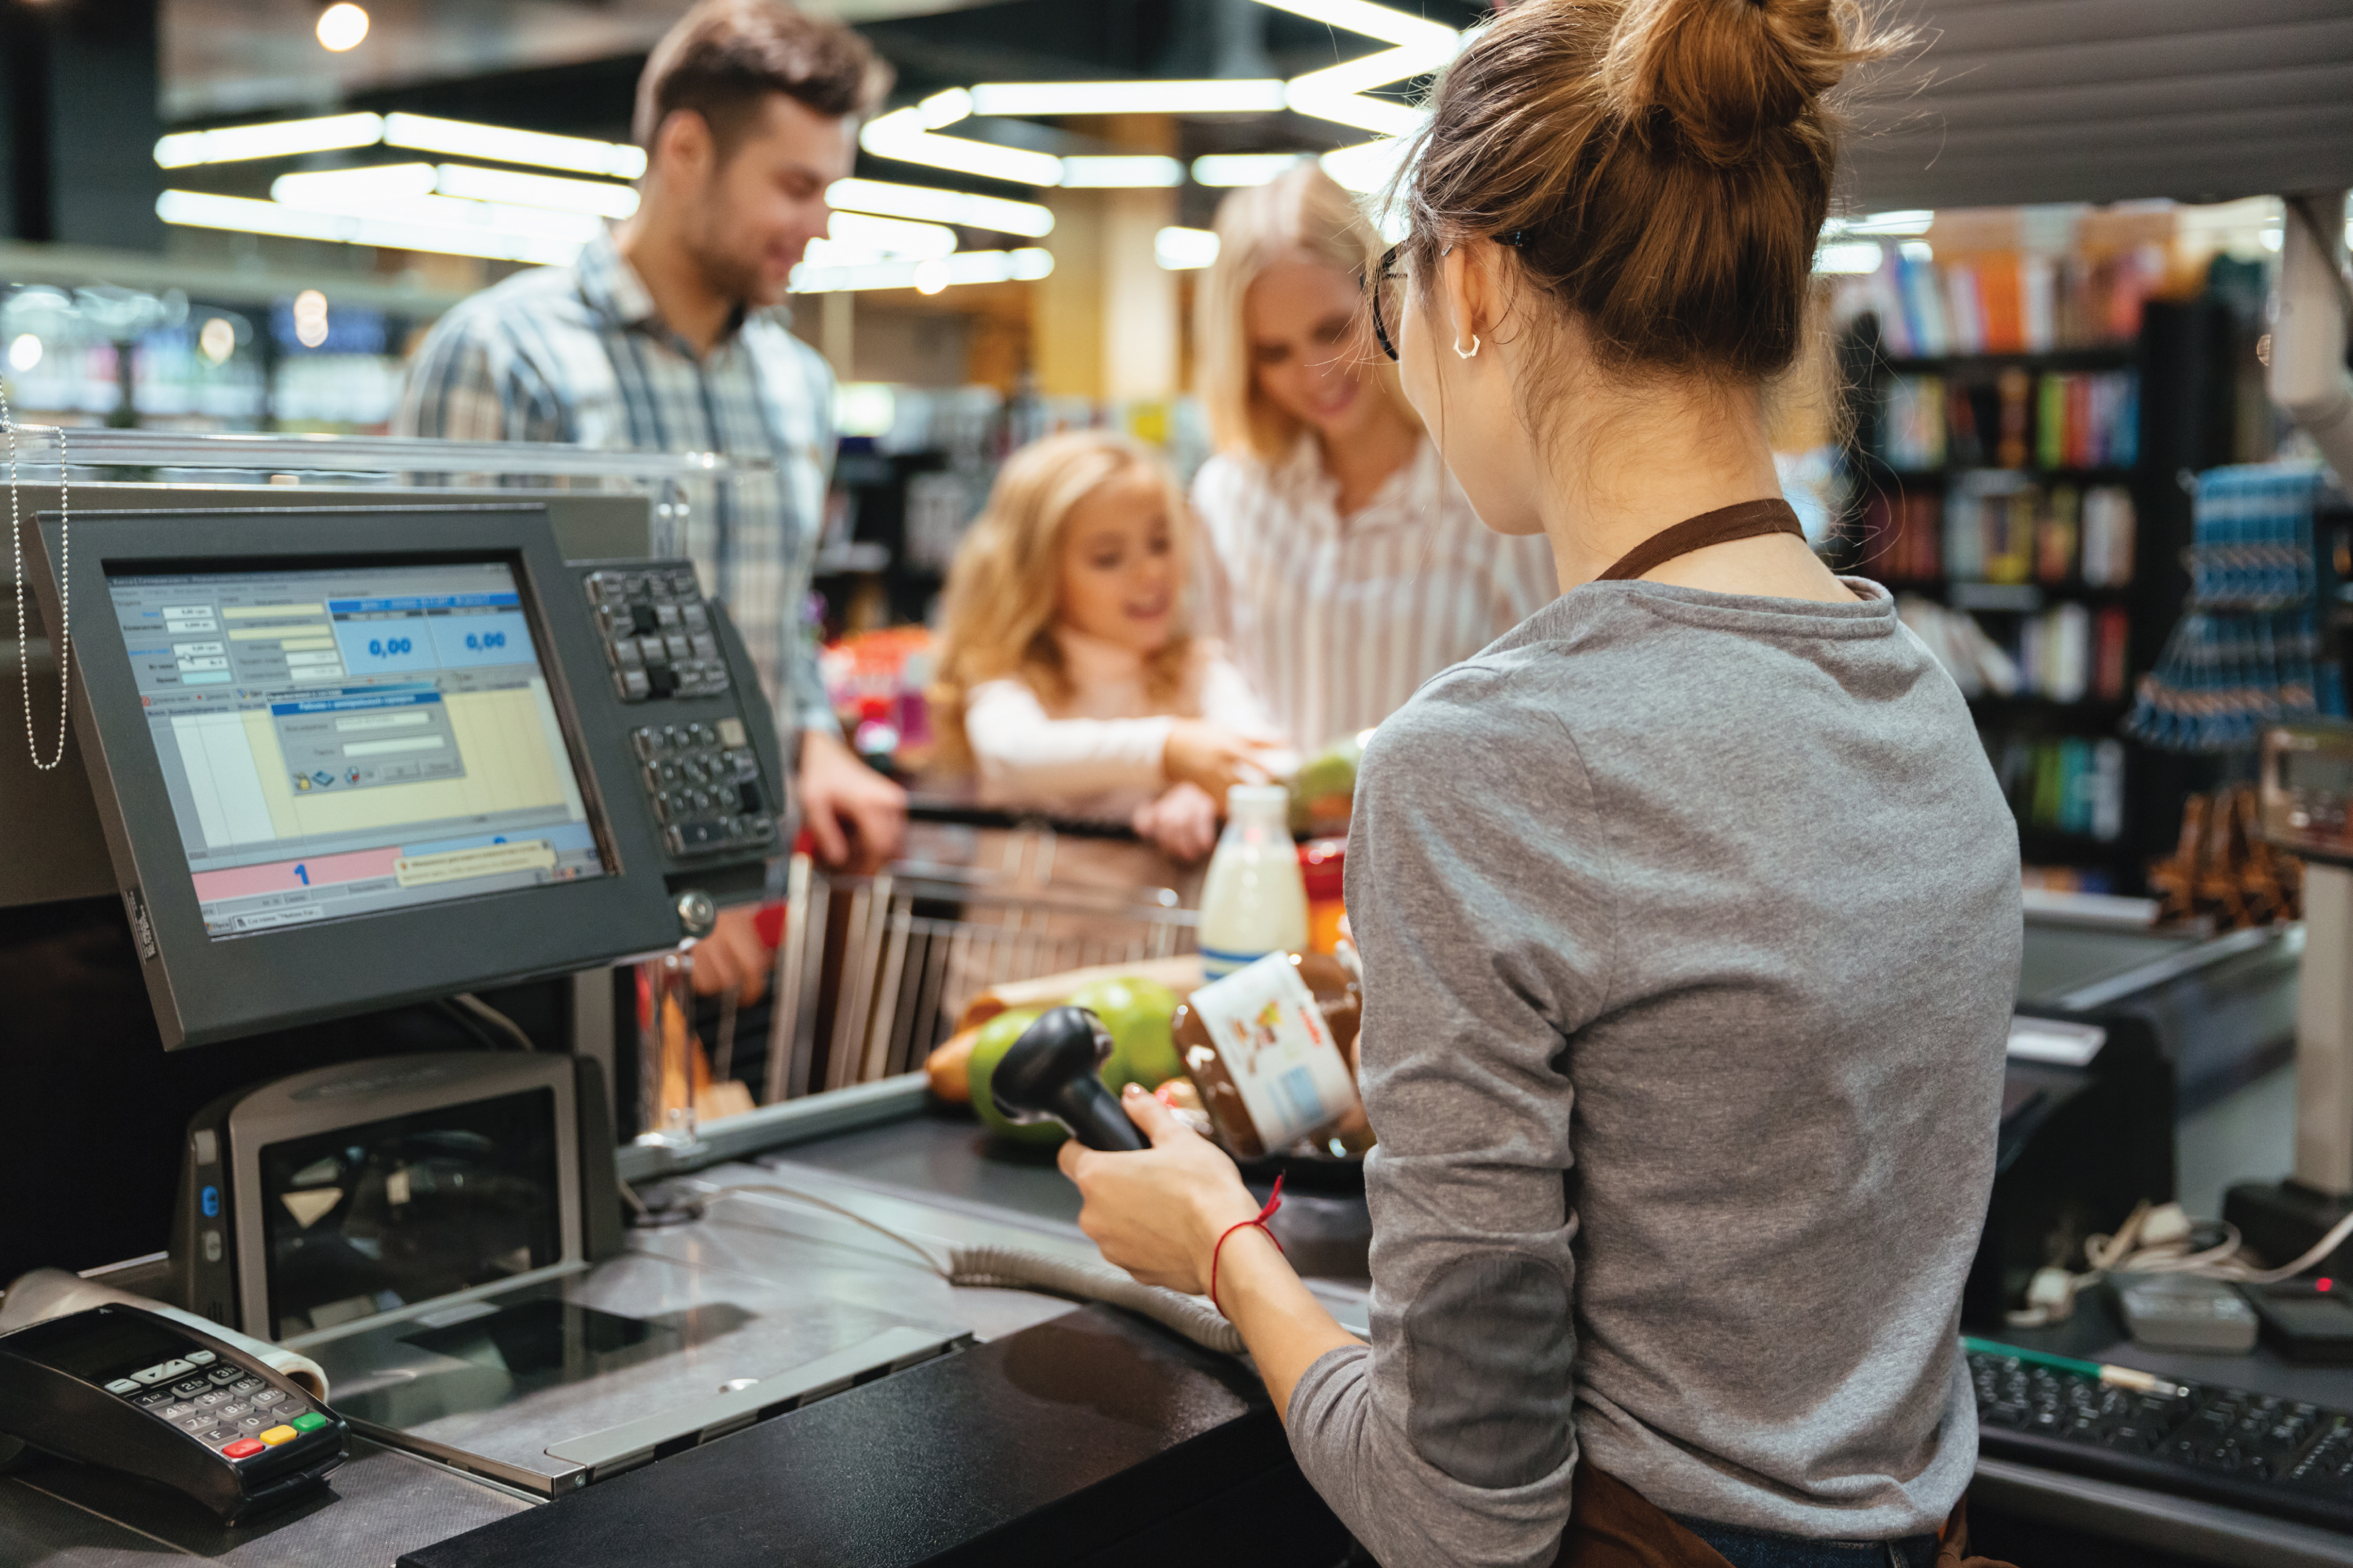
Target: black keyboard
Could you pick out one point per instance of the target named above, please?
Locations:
(2280, 1457)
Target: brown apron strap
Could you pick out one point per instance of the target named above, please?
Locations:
(1745, 521)
(1611, 1525)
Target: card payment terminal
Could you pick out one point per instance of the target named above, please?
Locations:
(124, 1388)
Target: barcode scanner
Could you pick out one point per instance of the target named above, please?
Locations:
(1052, 1073)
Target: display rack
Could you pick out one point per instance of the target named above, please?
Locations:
(2081, 619)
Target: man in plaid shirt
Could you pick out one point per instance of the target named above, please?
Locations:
(658, 337)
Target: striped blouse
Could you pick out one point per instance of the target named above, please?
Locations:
(1337, 620)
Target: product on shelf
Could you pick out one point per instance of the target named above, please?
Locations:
(2223, 869)
(2070, 784)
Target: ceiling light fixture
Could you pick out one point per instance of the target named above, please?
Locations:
(243, 215)
(602, 197)
(1148, 96)
(965, 267)
(404, 193)
(1849, 257)
(907, 135)
(1367, 166)
(503, 144)
(342, 26)
(1228, 169)
(1126, 171)
(923, 202)
(1337, 93)
(1184, 249)
(276, 138)
(891, 237)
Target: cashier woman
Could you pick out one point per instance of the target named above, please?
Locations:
(657, 339)
(1688, 909)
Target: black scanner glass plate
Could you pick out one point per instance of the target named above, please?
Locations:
(545, 1341)
(369, 1219)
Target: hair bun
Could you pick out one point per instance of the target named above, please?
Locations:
(1727, 72)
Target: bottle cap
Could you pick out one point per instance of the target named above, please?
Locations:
(1256, 799)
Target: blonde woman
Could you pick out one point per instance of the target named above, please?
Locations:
(1068, 677)
(1342, 564)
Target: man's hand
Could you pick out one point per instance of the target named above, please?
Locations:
(733, 957)
(857, 816)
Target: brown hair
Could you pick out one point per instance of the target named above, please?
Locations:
(997, 612)
(1301, 212)
(1661, 168)
(724, 57)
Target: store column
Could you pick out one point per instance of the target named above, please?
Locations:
(1106, 324)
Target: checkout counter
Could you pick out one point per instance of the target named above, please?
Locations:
(769, 1369)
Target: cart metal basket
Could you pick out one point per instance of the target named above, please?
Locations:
(874, 972)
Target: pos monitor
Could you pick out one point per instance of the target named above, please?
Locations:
(346, 759)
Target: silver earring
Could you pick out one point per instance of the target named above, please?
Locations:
(1471, 352)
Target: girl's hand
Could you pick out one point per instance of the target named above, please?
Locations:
(1157, 1212)
(1183, 822)
(1212, 758)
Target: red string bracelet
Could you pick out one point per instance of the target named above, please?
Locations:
(1273, 1201)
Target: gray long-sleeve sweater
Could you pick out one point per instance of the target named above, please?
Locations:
(1691, 929)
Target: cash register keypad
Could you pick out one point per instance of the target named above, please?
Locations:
(704, 783)
(226, 1408)
(656, 632)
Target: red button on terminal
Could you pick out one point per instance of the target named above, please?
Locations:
(243, 1449)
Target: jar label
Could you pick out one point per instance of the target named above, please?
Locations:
(1277, 1049)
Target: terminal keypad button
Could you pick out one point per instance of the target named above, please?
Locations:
(249, 1385)
(222, 1376)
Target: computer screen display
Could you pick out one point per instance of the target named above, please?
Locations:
(348, 740)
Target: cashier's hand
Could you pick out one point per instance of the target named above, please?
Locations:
(1183, 822)
(1158, 1212)
(857, 816)
(733, 957)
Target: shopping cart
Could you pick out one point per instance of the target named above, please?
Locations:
(874, 972)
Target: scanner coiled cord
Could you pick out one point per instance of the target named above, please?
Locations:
(998, 1266)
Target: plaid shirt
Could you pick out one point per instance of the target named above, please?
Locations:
(579, 354)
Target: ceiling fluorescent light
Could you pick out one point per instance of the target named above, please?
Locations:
(943, 108)
(965, 267)
(930, 205)
(503, 144)
(1046, 98)
(891, 236)
(1372, 21)
(904, 134)
(1184, 249)
(1368, 166)
(1912, 221)
(602, 197)
(243, 215)
(277, 139)
(1227, 169)
(1337, 92)
(1129, 171)
(1849, 255)
(350, 190)
(335, 192)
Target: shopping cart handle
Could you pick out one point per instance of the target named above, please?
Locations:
(960, 813)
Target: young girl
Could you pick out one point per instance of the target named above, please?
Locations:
(1066, 674)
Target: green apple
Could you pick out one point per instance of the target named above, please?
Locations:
(1137, 1012)
(996, 1037)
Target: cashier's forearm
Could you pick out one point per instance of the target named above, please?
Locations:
(1286, 1329)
